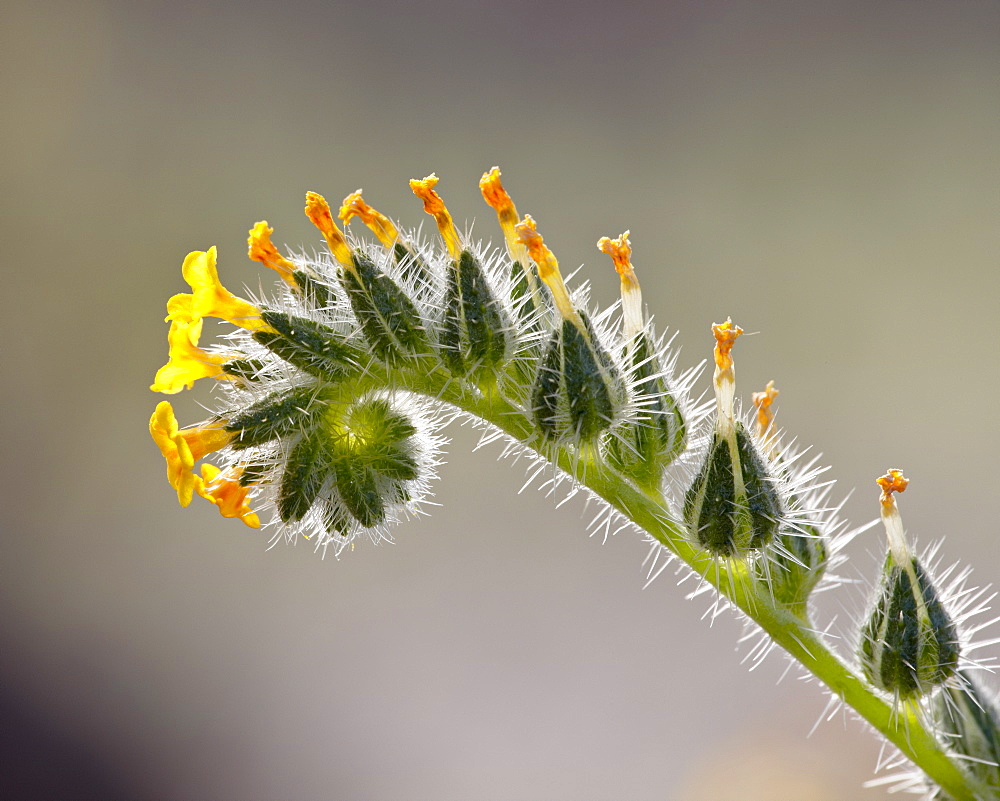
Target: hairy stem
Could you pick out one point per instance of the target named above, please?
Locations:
(898, 724)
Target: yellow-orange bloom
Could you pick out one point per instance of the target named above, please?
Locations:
(498, 199)
(187, 362)
(434, 205)
(319, 214)
(163, 428)
(211, 298)
(224, 490)
(182, 449)
(548, 268)
(263, 250)
(354, 206)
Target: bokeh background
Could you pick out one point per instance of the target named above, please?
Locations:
(826, 173)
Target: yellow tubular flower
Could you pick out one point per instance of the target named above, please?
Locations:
(263, 250)
(548, 269)
(187, 362)
(318, 212)
(725, 372)
(380, 225)
(434, 205)
(212, 299)
(224, 490)
(497, 198)
(763, 401)
(620, 251)
(177, 452)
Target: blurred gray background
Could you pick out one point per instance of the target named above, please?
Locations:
(826, 173)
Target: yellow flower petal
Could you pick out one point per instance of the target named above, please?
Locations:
(177, 452)
(211, 298)
(224, 490)
(187, 361)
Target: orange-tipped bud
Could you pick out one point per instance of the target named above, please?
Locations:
(318, 212)
(260, 248)
(763, 402)
(620, 251)
(380, 225)
(548, 268)
(223, 489)
(497, 198)
(434, 205)
(725, 335)
(892, 481)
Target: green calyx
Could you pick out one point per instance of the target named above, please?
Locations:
(475, 330)
(910, 644)
(733, 506)
(357, 460)
(793, 566)
(647, 445)
(388, 318)
(313, 347)
(578, 389)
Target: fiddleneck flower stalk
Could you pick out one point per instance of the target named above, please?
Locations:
(333, 391)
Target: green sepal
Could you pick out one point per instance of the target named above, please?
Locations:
(387, 317)
(658, 434)
(578, 389)
(372, 454)
(316, 293)
(723, 518)
(969, 722)
(247, 369)
(411, 263)
(306, 469)
(277, 415)
(909, 644)
(308, 345)
(474, 332)
(794, 565)
(254, 473)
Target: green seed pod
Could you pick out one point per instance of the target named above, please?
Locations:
(386, 315)
(733, 505)
(308, 345)
(476, 327)
(659, 433)
(578, 389)
(277, 415)
(909, 644)
(969, 722)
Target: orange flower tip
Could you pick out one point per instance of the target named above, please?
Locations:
(318, 212)
(355, 206)
(224, 490)
(527, 235)
(434, 205)
(763, 400)
(620, 251)
(261, 249)
(423, 188)
(494, 194)
(892, 481)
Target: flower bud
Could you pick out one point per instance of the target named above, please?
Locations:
(658, 432)
(476, 326)
(909, 644)
(358, 462)
(733, 505)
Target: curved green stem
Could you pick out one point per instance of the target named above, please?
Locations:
(898, 724)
